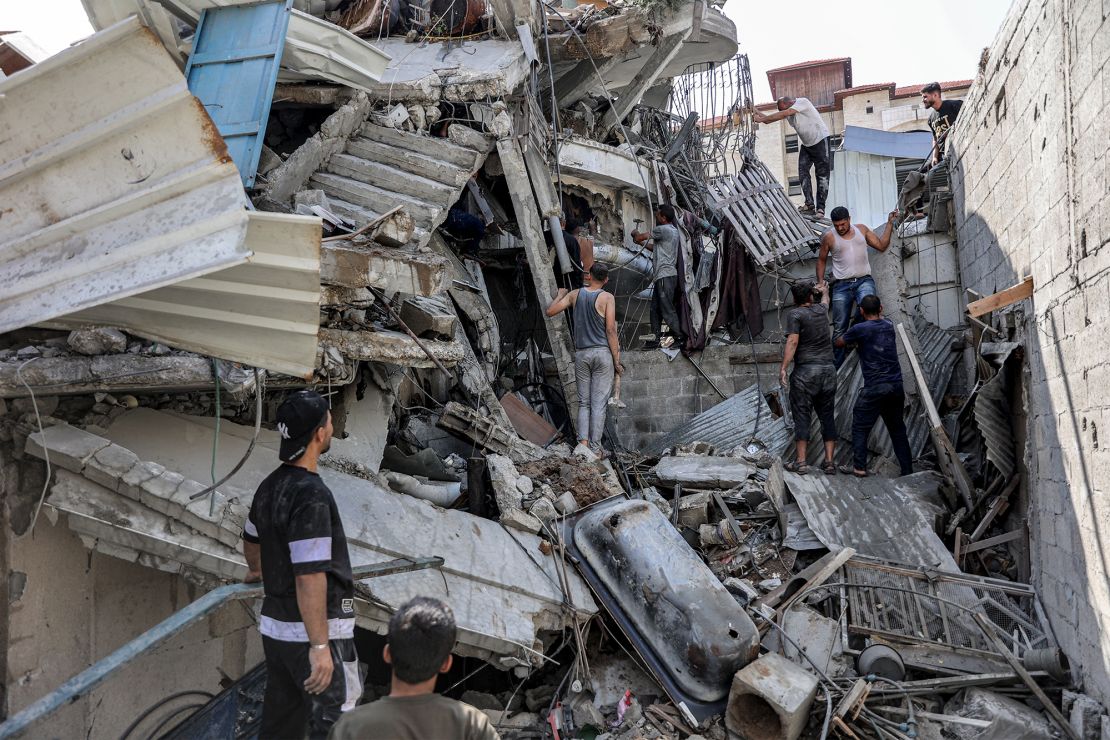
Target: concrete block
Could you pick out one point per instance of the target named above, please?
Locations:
(770, 699)
(130, 484)
(1086, 717)
(544, 510)
(467, 137)
(817, 636)
(395, 230)
(502, 476)
(160, 493)
(522, 520)
(428, 317)
(69, 447)
(108, 466)
(97, 340)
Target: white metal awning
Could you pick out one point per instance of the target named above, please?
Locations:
(115, 184)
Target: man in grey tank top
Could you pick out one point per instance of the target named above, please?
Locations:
(597, 352)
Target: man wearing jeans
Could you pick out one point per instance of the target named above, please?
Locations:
(813, 147)
(597, 351)
(847, 243)
(881, 395)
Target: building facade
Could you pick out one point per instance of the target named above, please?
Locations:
(828, 85)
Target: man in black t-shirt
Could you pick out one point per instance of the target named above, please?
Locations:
(881, 396)
(293, 541)
(943, 115)
(813, 382)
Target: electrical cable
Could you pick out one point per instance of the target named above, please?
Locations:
(258, 383)
(42, 435)
(157, 731)
(159, 704)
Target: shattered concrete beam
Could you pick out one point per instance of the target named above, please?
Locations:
(391, 270)
(487, 434)
(391, 347)
(323, 95)
(606, 38)
(122, 373)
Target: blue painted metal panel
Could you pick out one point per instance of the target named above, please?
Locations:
(233, 69)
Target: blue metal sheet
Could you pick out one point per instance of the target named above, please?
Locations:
(906, 144)
(233, 69)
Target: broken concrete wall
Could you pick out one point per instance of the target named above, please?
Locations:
(70, 607)
(1029, 172)
(662, 394)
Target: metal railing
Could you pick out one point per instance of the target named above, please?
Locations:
(89, 678)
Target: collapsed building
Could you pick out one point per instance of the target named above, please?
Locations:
(377, 201)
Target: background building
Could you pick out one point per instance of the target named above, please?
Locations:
(828, 85)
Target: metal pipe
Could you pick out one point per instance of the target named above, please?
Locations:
(619, 256)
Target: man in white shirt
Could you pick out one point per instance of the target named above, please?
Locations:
(813, 147)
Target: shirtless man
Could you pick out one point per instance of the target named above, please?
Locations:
(851, 270)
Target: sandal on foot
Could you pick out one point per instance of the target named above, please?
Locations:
(850, 470)
(820, 214)
(829, 468)
(805, 209)
(796, 467)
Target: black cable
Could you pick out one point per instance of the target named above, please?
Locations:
(156, 732)
(131, 727)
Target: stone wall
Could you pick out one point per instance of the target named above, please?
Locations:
(1031, 184)
(662, 394)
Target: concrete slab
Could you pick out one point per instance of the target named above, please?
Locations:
(466, 72)
(502, 588)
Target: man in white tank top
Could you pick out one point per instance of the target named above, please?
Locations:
(847, 243)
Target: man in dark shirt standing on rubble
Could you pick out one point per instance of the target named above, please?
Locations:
(941, 119)
(665, 243)
(881, 395)
(813, 382)
(293, 541)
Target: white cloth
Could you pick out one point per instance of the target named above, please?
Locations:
(849, 255)
(807, 122)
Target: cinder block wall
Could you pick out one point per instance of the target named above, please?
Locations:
(1031, 198)
(663, 394)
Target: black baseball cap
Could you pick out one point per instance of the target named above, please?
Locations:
(298, 417)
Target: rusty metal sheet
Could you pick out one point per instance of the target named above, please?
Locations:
(528, 423)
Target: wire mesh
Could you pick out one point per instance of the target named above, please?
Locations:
(720, 93)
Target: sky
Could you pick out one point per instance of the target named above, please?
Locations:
(888, 40)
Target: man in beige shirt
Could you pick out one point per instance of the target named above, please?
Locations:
(421, 636)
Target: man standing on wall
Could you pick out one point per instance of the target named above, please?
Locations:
(665, 242)
(881, 395)
(813, 147)
(943, 115)
(294, 543)
(597, 352)
(848, 243)
(813, 382)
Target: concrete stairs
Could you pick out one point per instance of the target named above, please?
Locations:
(381, 168)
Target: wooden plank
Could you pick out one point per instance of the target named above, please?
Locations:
(1001, 299)
(946, 454)
(997, 507)
(992, 541)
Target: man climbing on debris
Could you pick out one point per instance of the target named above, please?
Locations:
(597, 352)
(813, 382)
(573, 279)
(941, 119)
(813, 147)
(881, 396)
(665, 241)
(851, 269)
(418, 648)
(294, 543)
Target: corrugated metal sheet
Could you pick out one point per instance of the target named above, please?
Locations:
(314, 48)
(865, 185)
(233, 69)
(842, 512)
(132, 191)
(265, 313)
(114, 180)
(993, 415)
(736, 421)
(907, 144)
(937, 362)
